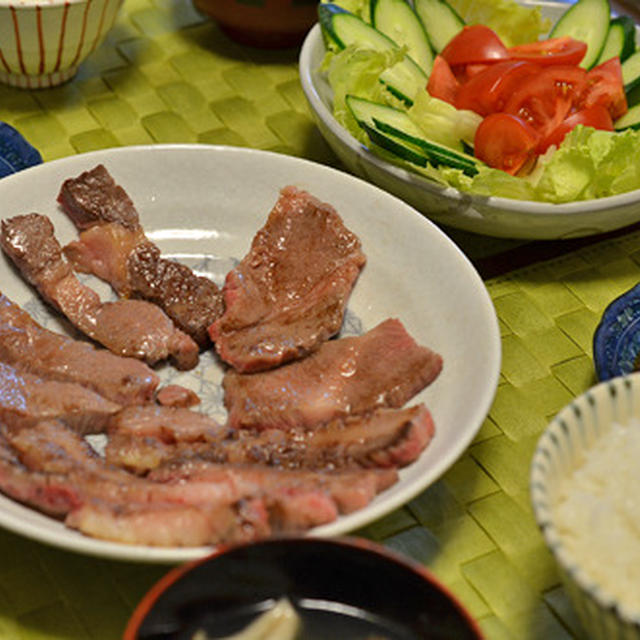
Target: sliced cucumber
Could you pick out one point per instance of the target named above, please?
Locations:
(397, 20)
(588, 21)
(630, 120)
(440, 20)
(393, 130)
(621, 39)
(631, 72)
(343, 28)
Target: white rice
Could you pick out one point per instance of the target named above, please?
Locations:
(598, 515)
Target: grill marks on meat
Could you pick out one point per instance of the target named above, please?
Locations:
(26, 399)
(192, 302)
(29, 347)
(288, 295)
(112, 245)
(383, 368)
(130, 328)
(144, 438)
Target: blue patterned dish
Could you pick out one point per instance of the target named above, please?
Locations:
(616, 341)
(15, 152)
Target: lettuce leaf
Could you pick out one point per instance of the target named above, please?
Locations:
(356, 71)
(514, 23)
(442, 122)
(589, 164)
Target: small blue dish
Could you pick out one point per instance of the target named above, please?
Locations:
(616, 341)
(15, 152)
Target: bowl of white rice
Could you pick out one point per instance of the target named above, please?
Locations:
(585, 491)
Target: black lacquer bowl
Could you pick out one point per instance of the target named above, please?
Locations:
(344, 588)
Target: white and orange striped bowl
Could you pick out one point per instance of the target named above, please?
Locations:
(42, 42)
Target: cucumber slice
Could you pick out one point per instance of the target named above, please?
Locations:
(343, 28)
(440, 20)
(397, 20)
(631, 72)
(630, 120)
(621, 39)
(393, 130)
(588, 21)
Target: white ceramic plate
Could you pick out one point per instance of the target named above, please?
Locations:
(203, 205)
(500, 217)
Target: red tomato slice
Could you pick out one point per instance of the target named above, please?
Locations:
(442, 83)
(474, 43)
(544, 100)
(506, 142)
(488, 91)
(562, 50)
(606, 87)
(596, 116)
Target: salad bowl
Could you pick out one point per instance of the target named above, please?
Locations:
(485, 214)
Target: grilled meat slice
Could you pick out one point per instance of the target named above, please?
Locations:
(141, 439)
(48, 492)
(130, 328)
(160, 525)
(192, 302)
(112, 245)
(26, 399)
(94, 198)
(383, 368)
(52, 469)
(288, 295)
(277, 500)
(29, 347)
(284, 490)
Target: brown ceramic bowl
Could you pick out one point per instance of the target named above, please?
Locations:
(262, 23)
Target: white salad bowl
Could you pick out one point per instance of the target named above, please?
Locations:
(586, 506)
(494, 216)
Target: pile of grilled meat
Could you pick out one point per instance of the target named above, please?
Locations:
(316, 424)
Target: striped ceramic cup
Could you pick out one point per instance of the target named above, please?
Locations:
(42, 42)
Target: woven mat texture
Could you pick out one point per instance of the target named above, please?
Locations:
(165, 74)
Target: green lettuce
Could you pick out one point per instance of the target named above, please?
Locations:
(589, 164)
(442, 122)
(514, 23)
(356, 71)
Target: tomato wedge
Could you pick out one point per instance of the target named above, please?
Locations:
(596, 116)
(488, 91)
(442, 83)
(544, 100)
(605, 86)
(506, 142)
(562, 50)
(473, 44)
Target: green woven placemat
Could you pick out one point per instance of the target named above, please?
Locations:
(165, 74)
